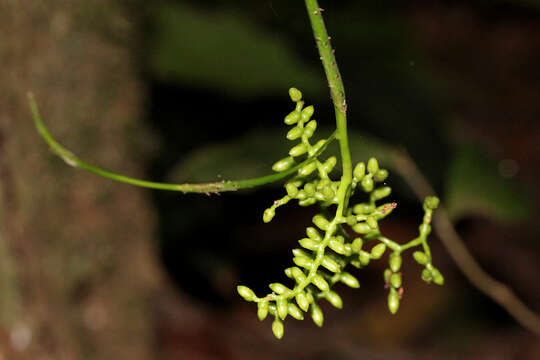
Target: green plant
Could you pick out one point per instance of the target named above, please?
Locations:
(328, 248)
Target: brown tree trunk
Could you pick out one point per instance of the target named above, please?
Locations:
(76, 264)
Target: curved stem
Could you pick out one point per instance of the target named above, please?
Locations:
(207, 188)
(337, 92)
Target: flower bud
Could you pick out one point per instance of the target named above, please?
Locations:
(282, 308)
(432, 202)
(303, 262)
(319, 282)
(361, 228)
(363, 208)
(268, 215)
(302, 301)
(380, 193)
(349, 280)
(329, 164)
(337, 246)
(295, 94)
(292, 118)
(246, 293)
(309, 244)
(393, 301)
(312, 233)
(395, 280)
(319, 144)
(310, 128)
(262, 309)
(279, 288)
(309, 188)
(359, 171)
(334, 299)
(321, 222)
(307, 112)
(420, 257)
(307, 169)
(427, 276)
(367, 183)
(298, 150)
(395, 262)
(380, 175)
(330, 264)
(357, 244)
(437, 277)
(377, 251)
(372, 223)
(283, 164)
(295, 312)
(317, 315)
(278, 328)
(294, 133)
(372, 166)
(363, 257)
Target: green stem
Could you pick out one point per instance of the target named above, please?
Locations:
(207, 188)
(337, 92)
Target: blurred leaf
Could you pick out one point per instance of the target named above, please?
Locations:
(225, 52)
(474, 186)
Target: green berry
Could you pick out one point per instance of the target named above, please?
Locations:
(292, 118)
(295, 312)
(262, 309)
(295, 133)
(278, 328)
(359, 171)
(395, 262)
(372, 166)
(295, 94)
(349, 280)
(298, 150)
(378, 251)
(334, 299)
(393, 301)
(246, 293)
(317, 315)
(420, 257)
(283, 164)
(395, 280)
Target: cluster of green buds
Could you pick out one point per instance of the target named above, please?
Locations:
(335, 241)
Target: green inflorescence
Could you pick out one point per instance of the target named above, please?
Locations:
(335, 241)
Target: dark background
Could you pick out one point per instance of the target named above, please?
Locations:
(196, 91)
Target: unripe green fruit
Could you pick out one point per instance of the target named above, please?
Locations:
(295, 312)
(367, 183)
(395, 262)
(283, 164)
(317, 315)
(307, 112)
(420, 257)
(278, 328)
(268, 215)
(372, 166)
(295, 94)
(246, 293)
(321, 222)
(319, 282)
(334, 299)
(393, 301)
(298, 150)
(292, 118)
(359, 171)
(349, 280)
(262, 309)
(282, 308)
(295, 133)
(395, 280)
(380, 193)
(378, 251)
(380, 175)
(307, 169)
